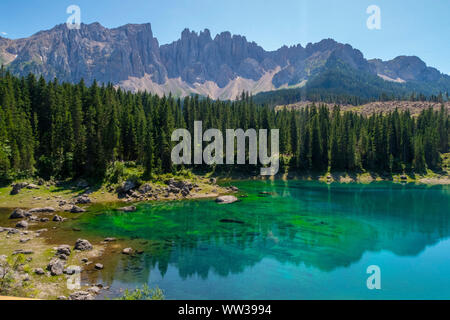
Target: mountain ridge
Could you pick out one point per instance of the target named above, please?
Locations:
(131, 57)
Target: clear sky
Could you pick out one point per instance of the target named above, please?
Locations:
(408, 27)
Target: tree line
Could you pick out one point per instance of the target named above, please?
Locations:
(62, 130)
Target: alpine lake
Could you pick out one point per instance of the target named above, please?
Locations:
(282, 240)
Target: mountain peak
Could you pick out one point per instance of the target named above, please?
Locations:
(130, 56)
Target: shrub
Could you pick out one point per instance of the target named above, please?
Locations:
(143, 294)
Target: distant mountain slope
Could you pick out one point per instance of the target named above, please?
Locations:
(220, 67)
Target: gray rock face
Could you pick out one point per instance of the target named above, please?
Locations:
(199, 58)
(115, 55)
(83, 245)
(93, 52)
(226, 199)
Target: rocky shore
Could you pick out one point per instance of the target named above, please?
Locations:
(44, 269)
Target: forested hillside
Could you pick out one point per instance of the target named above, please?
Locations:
(61, 130)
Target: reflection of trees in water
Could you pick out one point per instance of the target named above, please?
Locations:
(321, 226)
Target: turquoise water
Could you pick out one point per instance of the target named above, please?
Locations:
(304, 240)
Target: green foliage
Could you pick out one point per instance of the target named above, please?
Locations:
(69, 131)
(10, 269)
(143, 294)
(115, 172)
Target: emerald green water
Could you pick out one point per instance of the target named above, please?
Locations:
(306, 240)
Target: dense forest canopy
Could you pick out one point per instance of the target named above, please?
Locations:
(62, 130)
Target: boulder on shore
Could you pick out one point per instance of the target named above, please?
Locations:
(63, 249)
(56, 267)
(76, 209)
(39, 271)
(83, 245)
(127, 186)
(145, 188)
(21, 251)
(83, 199)
(57, 218)
(17, 187)
(227, 199)
(81, 295)
(42, 210)
(22, 224)
(18, 214)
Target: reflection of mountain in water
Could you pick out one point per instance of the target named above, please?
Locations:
(321, 226)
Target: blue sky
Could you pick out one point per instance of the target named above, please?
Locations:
(414, 27)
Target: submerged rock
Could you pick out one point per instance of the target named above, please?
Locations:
(98, 266)
(127, 209)
(127, 251)
(226, 199)
(232, 221)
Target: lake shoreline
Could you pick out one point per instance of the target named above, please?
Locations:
(344, 177)
(52, 195)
